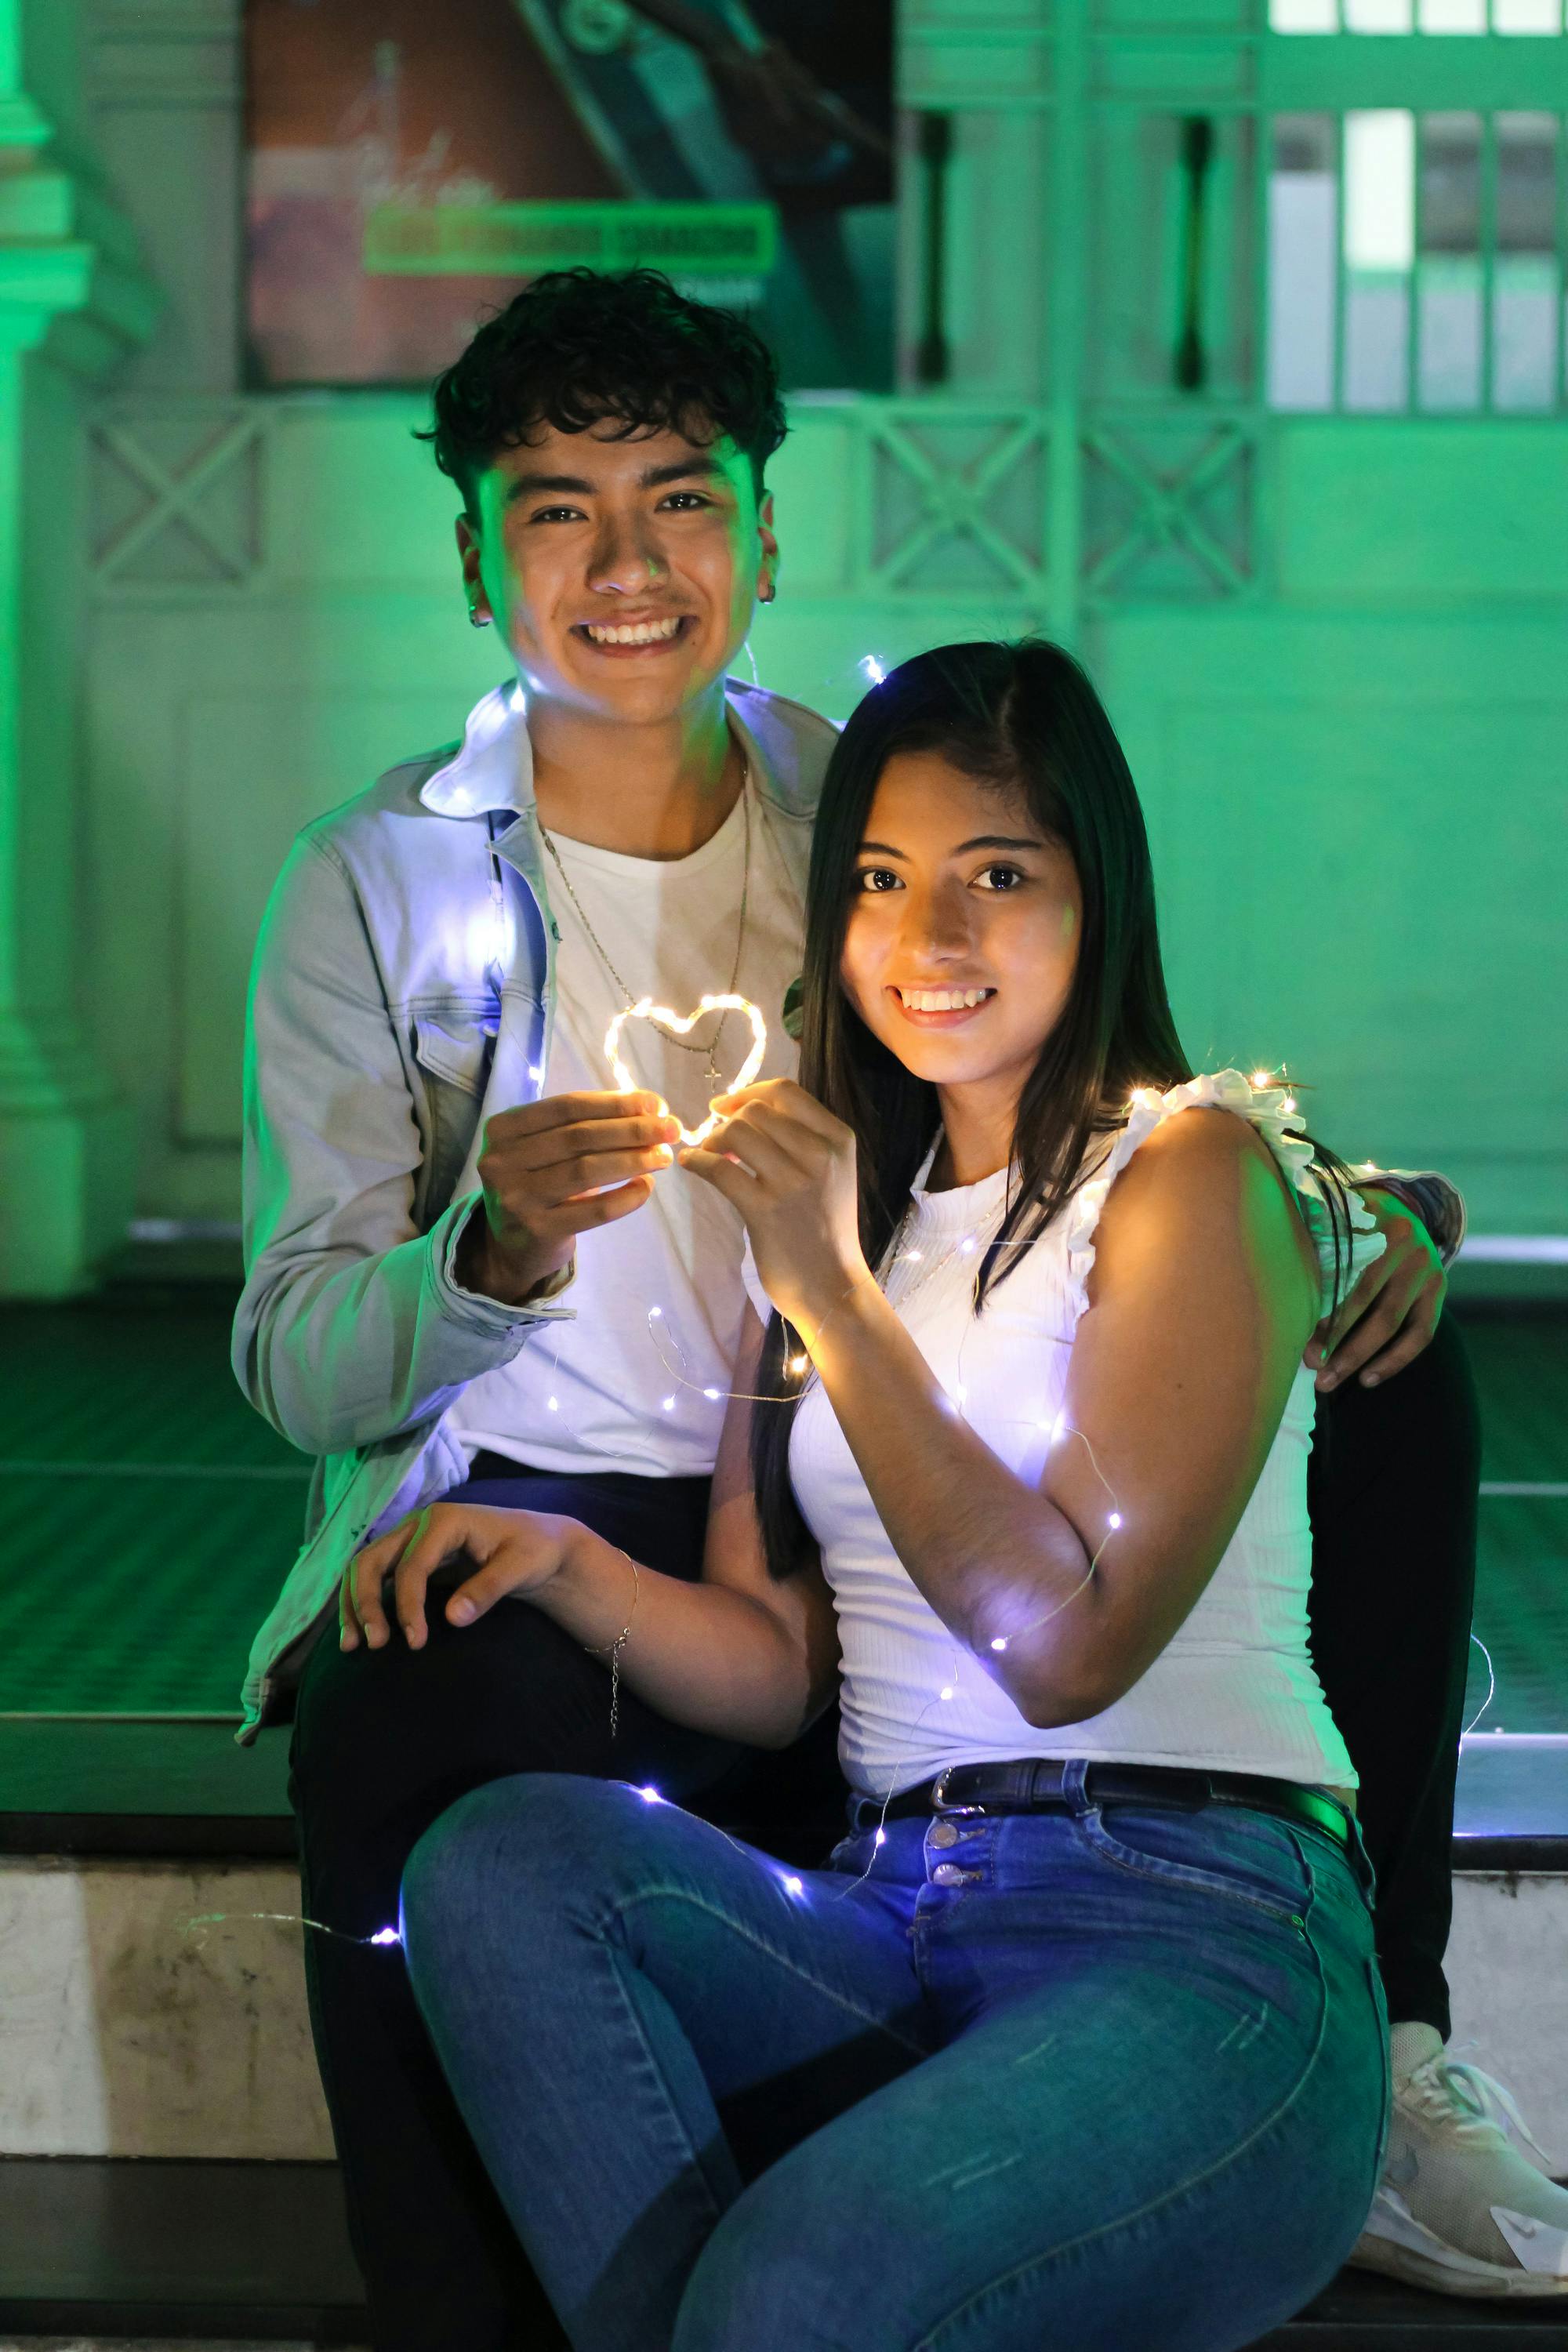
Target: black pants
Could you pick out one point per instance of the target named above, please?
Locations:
(385, 1741)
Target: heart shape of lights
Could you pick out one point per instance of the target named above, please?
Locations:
(644, 1009)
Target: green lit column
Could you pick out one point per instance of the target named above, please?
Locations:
(72, 302)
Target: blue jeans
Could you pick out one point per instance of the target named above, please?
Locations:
(1072, 2082)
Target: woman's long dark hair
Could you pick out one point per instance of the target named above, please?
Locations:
(1025, 719)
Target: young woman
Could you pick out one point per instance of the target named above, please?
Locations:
(1076, 2039)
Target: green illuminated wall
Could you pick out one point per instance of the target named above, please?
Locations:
(1335, 645)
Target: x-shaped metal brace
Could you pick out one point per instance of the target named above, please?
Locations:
(175, 496)
(955, 502)
(1164, 513)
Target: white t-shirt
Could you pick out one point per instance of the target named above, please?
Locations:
(612, 1391)
(1235, 1689)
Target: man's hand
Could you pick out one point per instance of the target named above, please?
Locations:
(509, 1551)
(554, 1170)
(1392, 1311)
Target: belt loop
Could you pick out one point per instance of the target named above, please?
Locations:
(1075, 1787)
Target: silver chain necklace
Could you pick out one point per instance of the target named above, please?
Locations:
(967, 1246)
(710, 1050)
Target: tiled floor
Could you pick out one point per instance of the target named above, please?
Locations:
(1522, 1590)
(151, 1515)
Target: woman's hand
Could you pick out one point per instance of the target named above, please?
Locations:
(789, 1167)
(514, 1552)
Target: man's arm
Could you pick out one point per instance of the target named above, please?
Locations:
(352, 1324)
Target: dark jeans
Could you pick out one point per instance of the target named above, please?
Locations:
(735, 2108)
(1392, 1485)
(385, 1742)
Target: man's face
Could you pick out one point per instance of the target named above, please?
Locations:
(622, 572)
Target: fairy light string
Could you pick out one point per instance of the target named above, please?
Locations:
(973, 1243)
(797, 1364)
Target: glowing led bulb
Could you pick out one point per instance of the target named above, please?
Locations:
(1288, 1103)
(1115, 1518)
(872, 668)
(650, 1795)
(1261, 1078)
(386, 1935)
(552, 1404)
(712, 1394)
(793, 1885)
(797, 1364)
(947, 1690)
(881, 1837)
(966, 1246)
(654, 1313)
(1000, 1643)
(670, 1404)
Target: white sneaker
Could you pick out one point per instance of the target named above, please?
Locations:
(1465, 2204)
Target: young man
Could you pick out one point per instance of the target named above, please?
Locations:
(467, 1268)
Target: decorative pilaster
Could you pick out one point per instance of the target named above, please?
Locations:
(73, 301)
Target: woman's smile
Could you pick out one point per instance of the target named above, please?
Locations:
(941, 1008)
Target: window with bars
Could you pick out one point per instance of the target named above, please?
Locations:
(1527, 18)
(1418, 261)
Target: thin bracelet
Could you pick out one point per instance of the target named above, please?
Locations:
(612, 1650)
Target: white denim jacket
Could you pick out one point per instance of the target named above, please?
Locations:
(402, 993)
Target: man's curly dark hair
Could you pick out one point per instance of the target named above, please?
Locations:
(578, 346)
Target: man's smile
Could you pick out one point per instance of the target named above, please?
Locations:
(654, 635)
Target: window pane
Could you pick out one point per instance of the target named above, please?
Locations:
(1525, 272)
(1303, 16)
(1377, 15)
(1448, 332)
(1380, 211)
(1527, 16)
(1379, 247)
(1451, 16)
(1303, 252)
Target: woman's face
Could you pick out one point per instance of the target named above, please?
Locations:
(964, 927)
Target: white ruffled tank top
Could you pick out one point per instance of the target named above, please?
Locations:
(1235, 1690)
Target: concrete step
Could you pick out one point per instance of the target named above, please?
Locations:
(165, 2151)
(119, 2252)
(109, 2248)
(156, 2008)
(139, 2344)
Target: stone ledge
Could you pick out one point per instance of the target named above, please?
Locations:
(139, 2025)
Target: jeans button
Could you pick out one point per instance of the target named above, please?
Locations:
(948, 1874)
(942, 1834)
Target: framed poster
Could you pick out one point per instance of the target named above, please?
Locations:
(410, 168)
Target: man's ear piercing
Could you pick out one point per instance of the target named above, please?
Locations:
(477, 620)
(765, 595)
